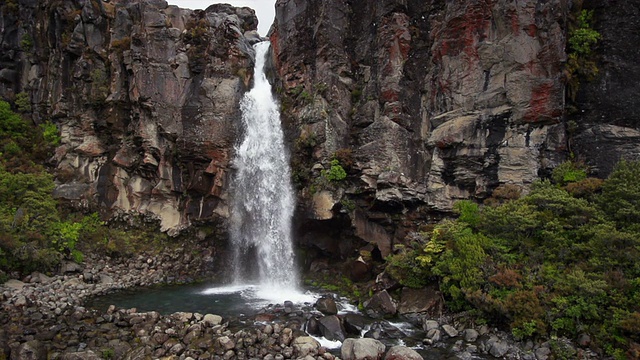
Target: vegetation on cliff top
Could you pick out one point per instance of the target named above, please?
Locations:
(560, 261)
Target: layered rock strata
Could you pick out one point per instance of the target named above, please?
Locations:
(432, 101)
(145, 96)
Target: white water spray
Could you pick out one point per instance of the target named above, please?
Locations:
(263, 201)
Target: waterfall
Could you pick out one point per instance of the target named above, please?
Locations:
(263, 202)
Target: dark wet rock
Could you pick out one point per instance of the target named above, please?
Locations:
(70, 267)
(427, 300)
(331, 328)
(327, 305)
(380, 304)
(380, 330)
(354, 324)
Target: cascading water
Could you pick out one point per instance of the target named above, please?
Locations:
(263, 201)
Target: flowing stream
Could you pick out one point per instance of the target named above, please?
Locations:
(263, 201)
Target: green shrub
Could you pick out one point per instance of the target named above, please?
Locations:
(583, 37)
(568, 172)
(50, 134)
(26, 43)
(580, 61)
(620, 198)
(406, 267)
(547, 263)
(23, 102)
(336, 172)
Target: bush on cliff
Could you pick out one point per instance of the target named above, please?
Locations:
(548, 263)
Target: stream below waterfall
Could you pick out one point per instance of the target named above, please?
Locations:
(245, 306)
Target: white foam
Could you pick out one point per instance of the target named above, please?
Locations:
(329, 344)
(226, 290)
(262, 295)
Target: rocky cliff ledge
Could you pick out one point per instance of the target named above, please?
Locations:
(434, 101)
(145, 95)
(428, 102)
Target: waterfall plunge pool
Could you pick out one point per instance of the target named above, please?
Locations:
(244, 306)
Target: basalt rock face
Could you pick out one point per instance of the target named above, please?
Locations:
(423, 102)
(607, 116)
(145, 95)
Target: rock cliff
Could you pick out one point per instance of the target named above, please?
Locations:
(422, 103)
(145, 96)
(429, 102)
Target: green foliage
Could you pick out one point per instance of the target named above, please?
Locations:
(548, 263)
(469, 212)
(527, 329)
(569, 172)
(50, 133)
(11, 124)
(580, 62)
(23, 102)
(336, 172)
(620, 198)
(305, 96)
(108, 353)
(583, 37)
(406, 267)
(26, 43)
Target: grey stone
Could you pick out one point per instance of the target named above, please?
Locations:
(14, 284)
(305, 345)
(212, 320)
(362, 349)
(450, 330)
(499, 348)
(430, 324)
(470, 335)
(402, 353)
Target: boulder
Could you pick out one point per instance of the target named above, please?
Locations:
(450, 330)
(499, 348)
(331, 328)
(355, 324)
(402, 353)
(430, 324)
(380, 304)
(14, 284)
(427, 300)
(225, 343)
(212, 320)
(470, 335)
(362, 349)
(30, 350)
(305, 345)
(68, 267)
(82, 355)
(327, 305)
(380, 330)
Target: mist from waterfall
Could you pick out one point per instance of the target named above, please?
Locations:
(263, 201)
